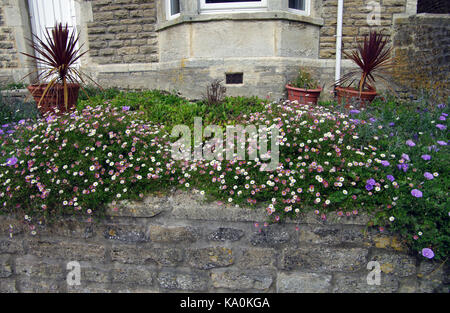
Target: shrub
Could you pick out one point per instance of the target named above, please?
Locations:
(305, 81)
(391, 163)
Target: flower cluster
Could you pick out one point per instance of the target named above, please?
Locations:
(330, 163)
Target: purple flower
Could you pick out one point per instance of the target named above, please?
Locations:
(369, 187)
(426, 157)
(21, 122)
(125, 108)
(354, 111)
(428, 253)
(441, 106)
(428, 176)
(390, 177)
(416, 193)
(1, 131)
(50, 118)
(410, 143)
(371, 181)
(391, 124)
(11, 161)
(442, 143)
(373, 120)
(445, 114)
(441, 127)
(5, 125)
(403, 167)
(442, 118)
(385, 163)
(405, 157)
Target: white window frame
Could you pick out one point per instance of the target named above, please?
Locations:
(306, 11)
(232, 6)
(169, 15)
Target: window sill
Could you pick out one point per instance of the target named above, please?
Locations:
(208, 17)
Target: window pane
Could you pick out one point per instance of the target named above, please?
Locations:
(174, 7)
(226, 1)
(297, 4)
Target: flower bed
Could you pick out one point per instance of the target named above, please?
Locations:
(330, 162)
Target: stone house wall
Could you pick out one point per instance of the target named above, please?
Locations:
(132, 44)
(123, 32)
(180, 243)
(422, 50)
(355, 24)
(8, 50)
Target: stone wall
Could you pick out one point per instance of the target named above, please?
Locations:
(180, 243)
(422, 51)
(355, 24)
(123, 31)
(8, 51)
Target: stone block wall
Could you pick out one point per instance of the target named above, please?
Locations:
(8, 51)
(123, 31)
(422, 50)
(180, 243)
(355, 24)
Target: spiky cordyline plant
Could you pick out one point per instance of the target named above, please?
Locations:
(373, 58)
(56, 57)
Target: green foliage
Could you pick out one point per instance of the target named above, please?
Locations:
(304, 80)
(332, 160)
(169, 109)
(13, 110)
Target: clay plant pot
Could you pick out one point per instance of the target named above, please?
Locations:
(350, 95)
(304, 96)
(54, 98)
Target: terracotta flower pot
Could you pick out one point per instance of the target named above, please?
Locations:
(54, 98)
(347, 94)
(304, 96)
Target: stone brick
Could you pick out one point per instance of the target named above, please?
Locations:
(238, 280)
(357, 283)
(170, 234)
(27, 285)
(257, 258)
(8, 286)
(125, 233)
(34, 268)
(182, 281)
(139, 275)
(11, 245)
(224, 234)
(206, 258)
(148, 207)
(433, 277)
(320, 258)
(92, 273)
(395, 264)
(68, 251)
(300, 282)
(144, 254)
(270, 236)
(5, 266)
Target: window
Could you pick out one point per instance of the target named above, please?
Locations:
(232, 4)
(172, 9)
(234, 78)
(299, 6)
(433, 6)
